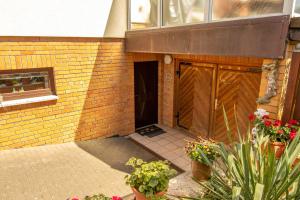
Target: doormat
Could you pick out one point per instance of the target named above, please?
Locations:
(150, 131)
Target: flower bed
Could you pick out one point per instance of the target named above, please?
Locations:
(280, 134)
(275, 129)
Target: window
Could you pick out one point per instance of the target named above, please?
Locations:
(244, 8)
(143, 13)
(297, 8)
(156, 13)
(27, 83)
(176, 12)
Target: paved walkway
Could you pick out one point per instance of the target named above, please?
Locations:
(57, 172)
(169, 145)
(61, 171)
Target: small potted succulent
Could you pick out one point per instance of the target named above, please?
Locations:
(202, 153)
(149, 179)
(280, 134)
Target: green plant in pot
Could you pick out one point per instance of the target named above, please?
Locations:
(196, 150)
(149, 180)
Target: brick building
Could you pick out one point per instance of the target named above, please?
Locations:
(97, 79)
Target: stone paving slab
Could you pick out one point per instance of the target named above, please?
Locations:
(169, 145)
(56, 172)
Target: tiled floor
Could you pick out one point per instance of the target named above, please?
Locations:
(169, 145)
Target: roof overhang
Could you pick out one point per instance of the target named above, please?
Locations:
(263, 37)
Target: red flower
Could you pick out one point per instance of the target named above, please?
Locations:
(293, 122)
(293, 134)
(268, 123)
(251, 117)
(266, 117)
(75, 198)
(116, 198)
(277, 123)
(280, 131)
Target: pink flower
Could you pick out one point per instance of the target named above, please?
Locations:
(268, 123)
(251, 117)
(116, 198)
(266, 117)
(293, 134)
(75, 198)
(293, 122)
(277, 123)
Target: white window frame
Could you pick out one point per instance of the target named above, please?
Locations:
(288, 8)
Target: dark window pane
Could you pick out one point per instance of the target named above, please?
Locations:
(21, 82)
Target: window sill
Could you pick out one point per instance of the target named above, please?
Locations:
(28, 101)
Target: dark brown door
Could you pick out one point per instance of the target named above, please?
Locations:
(291, 109)
(296, 114)
(237, 89)
(195, 94)
(146, 93)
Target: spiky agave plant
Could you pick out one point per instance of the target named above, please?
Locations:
(249, 170)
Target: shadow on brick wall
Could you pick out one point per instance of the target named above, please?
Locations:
(108, 105)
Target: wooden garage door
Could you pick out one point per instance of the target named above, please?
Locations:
(195, 97)
(238, 87)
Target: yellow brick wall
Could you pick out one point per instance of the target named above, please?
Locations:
(94, 82)
(95, 85)
(275, 106)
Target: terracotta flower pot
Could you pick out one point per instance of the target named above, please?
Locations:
(200, 171)
(279, 146)
(141, 196)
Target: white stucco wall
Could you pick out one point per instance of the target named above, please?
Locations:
(77, 18)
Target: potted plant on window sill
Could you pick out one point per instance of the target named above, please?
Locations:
(280, 135)
(149, 180)
(202, 153)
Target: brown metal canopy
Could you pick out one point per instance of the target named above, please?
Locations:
(263, 37)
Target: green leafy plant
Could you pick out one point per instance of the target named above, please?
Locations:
(97, 197)
(149, 178)
(196, 149)
(249, 171)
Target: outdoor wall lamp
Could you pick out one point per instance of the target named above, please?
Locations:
(168, 59)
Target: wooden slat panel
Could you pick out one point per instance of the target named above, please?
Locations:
(195, 89)
(202, 100)
(186, 96)
(239, 89)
